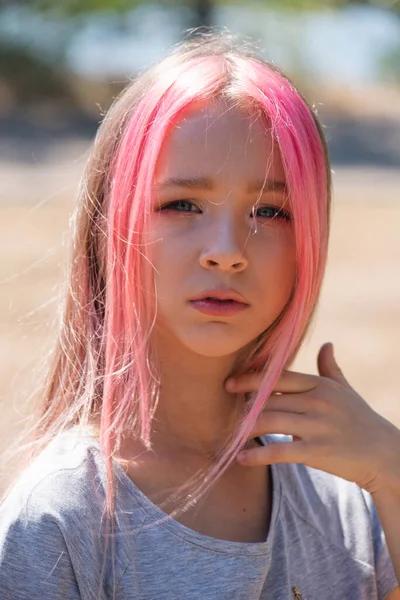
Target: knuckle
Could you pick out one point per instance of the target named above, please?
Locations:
(320, 403)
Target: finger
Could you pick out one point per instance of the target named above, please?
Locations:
(281, 452)
(298, 425)
(291, 403)
(247, 382)
(292, 382)
(327, 365)
(288, 382)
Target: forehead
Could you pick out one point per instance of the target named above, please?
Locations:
(221, 143)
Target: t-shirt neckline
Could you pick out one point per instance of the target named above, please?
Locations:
(154, 513)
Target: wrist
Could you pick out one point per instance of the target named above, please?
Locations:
(387, 481)
(387, 492)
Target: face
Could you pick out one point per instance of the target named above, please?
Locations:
(215, 227)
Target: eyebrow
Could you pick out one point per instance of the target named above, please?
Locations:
(205, 183)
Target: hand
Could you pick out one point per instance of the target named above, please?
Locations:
(333, 428)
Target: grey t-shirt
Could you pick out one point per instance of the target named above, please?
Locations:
(325, 540)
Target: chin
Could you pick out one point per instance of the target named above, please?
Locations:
(212, 340)
(215, 346)
(217, 351)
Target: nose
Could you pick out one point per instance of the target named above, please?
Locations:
(223, 250)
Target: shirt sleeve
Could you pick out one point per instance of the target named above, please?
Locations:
(385, 576)
(34, 559)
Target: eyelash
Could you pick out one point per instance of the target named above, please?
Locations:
(279, 212)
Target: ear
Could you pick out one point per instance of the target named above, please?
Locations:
(327, 365)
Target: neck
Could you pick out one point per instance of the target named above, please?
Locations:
(195, 413)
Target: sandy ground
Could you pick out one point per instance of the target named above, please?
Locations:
(359, 309)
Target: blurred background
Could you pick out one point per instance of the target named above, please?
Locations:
(61, 64)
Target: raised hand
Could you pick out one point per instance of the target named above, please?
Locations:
(333, 428)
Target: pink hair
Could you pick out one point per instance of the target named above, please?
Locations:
(103, 370)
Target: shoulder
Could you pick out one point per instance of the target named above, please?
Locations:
(64, 480)
(59, 499)
(50, 521)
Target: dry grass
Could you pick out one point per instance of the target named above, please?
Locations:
(359, 309)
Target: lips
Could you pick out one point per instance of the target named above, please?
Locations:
(220, 295)
(219, 303)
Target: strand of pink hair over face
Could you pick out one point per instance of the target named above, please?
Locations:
(130, 380)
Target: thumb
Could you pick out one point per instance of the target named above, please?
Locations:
(327, 365)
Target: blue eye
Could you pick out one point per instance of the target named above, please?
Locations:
(263, 212)
(273, 212)
(182, 206)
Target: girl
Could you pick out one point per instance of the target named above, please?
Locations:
(199, 249)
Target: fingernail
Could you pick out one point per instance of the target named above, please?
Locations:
(230, 383)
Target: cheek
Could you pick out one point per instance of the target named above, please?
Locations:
(276, 273)
(167, 254)
(171, 261)
(275, 256)
(159, 245)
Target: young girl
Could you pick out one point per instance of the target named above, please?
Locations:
(199, 250)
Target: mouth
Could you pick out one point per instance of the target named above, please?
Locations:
(219, 303)
(221, 296)
(217, 299)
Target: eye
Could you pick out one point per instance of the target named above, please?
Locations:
(182, 206)
(272, 212)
